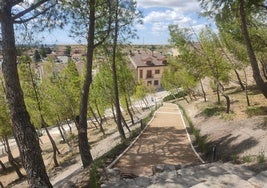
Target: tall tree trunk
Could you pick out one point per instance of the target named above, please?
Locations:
(101, 120)
(227, 103)
(125, 123)
(113, 113)
(129, 110)
(253, 61)
(218, 93)
(203, 91)
(54, 146)
(24, 131)
(84, 146)
(95, 117)
(130, 104)
(239, 80)
(68, 123)
(114, 74)
(246, 88)
(11, 159)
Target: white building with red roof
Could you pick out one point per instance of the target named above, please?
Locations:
(148, 67)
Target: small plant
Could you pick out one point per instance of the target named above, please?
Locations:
(247, 159)
(201, 141)
(235, 158)
(256, 111)
(261, 157)
(227, 117)
(94, 175)
(213, 111)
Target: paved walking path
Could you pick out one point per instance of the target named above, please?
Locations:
(165, 141)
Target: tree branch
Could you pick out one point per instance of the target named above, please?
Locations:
(15, 2)
(34, 16)
(32, 7)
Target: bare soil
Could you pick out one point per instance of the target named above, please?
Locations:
(239, 136)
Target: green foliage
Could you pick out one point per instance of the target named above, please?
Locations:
(67, 51)
(256, 110)
(213, 111)
(140, 91)
(261, 157)
(94, 180)
(37, 56)
(60, 91)
(174, 96)
(247, 159)
(5, 121)
(30, 81)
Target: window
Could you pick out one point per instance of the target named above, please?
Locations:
(141, 74)
(157, 71)
(149, 74)
(149, 83)
(156, 82)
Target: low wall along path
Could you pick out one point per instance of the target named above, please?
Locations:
(165, 141)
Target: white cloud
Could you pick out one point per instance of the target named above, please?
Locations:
(166, 16)
(184, 5)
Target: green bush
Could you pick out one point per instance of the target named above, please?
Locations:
(213, 111)
(256, 111)
(261, 157)
(174, 96)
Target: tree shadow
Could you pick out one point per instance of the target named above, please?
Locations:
(157, 145)
(226, 150)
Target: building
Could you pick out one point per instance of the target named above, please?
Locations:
(148, 67)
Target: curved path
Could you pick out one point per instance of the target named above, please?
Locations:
(165, 141)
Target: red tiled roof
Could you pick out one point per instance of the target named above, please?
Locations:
(144, 59)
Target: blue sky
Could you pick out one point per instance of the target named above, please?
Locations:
(157, 15)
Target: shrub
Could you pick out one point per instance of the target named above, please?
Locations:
(213, 111)
(174, 96)
(256, 111)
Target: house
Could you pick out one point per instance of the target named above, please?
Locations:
(148, 66)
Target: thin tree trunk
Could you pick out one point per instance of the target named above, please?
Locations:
(114, 74)
(218, 94)
(84, 147)
(94, 124)
(254, 64)
(68, 123)
(113, 113)
(131, 104)
(128, 110)
(185, 99)
(60, 131)
(2, 165)
(101, 120)
(24, 131)
(66, 140)
(11, 159)
(239, 80)
(227, 103)
(54, 146)
(246, 88)
(125, 123)
(203, 91)
(95, 117)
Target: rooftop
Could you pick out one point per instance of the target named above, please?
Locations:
(147, 58)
